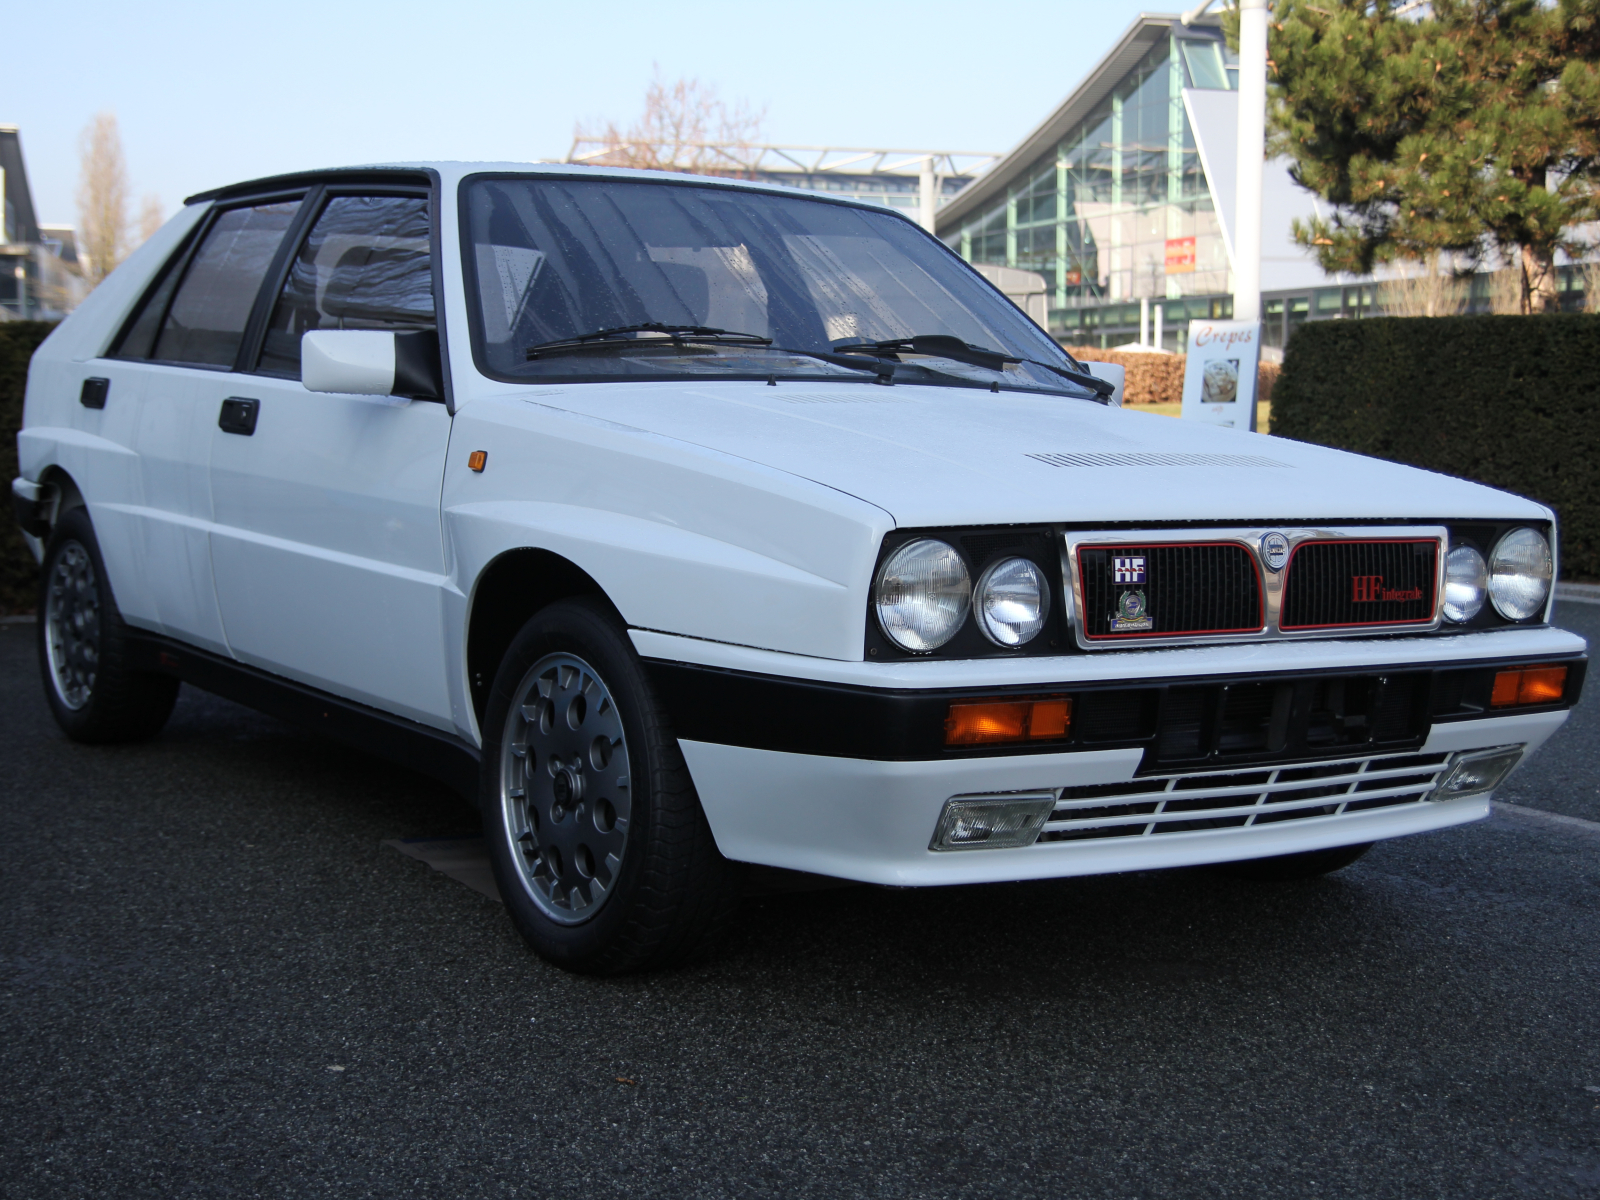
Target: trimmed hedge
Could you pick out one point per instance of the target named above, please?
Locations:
(19, 575)
(1149, 378)
(1158, 378)
(1513, 402)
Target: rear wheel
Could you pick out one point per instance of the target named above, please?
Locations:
(83, 646)
(1287, 867)
(600, 848)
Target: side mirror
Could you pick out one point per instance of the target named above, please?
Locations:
(372, 362)
(1112, 373)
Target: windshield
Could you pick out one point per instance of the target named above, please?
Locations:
(663, 280)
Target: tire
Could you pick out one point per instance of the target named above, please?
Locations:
(83, 646)
(603, 870)
(1288, 867)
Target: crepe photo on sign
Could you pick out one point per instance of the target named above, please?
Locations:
(1220, 384)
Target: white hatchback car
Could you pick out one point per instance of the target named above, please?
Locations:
(690, 523)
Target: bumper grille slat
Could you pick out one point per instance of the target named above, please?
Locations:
(1233, 800)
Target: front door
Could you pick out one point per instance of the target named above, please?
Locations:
(326, 543)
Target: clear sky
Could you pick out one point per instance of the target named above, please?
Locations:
(213, 93)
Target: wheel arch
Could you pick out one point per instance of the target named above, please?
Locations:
(67, 494)
(509, 590)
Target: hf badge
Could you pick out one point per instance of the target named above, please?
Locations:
(1133, 615)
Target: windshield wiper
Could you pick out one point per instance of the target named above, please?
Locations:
(618, 335)
(943, 345)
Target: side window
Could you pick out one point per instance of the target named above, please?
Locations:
(365, 265)
(206, 320)
(139, 337)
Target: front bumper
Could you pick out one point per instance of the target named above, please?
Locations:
(872, 820)
(778, 792)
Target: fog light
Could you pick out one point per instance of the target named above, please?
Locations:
(992, 822)
(1475, 774)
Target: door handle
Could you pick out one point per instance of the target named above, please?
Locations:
(238, 415)
(94, 392)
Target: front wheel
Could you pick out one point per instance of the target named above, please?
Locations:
(600, 848)
(83, 646)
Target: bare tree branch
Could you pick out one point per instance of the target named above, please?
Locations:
(102, 197)
(685, 127)
(151, 216)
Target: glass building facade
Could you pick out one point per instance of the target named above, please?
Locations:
(1118, 210)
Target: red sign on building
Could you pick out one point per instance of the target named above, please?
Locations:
(1180, 255)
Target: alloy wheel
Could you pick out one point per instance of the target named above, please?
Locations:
(72, 625)
(565, 787)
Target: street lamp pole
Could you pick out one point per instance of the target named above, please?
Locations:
(1251, 160)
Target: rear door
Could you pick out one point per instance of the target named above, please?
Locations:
(327, 548)
(178, 351)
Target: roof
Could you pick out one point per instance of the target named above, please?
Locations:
(449, 173)
(1136, 41)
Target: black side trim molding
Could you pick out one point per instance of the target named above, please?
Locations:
(450, 760)
(1182, 722)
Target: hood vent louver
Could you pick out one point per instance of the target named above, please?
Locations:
(1153, 459)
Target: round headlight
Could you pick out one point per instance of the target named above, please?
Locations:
(1466, 584)
(923, 592)
(1519, 574)
(1012, 600)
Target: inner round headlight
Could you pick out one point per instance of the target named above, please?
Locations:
(1519, 574)
(923, 593)
(1012, 600)
(1466, 584)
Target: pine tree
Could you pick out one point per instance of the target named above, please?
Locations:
(1467, 126)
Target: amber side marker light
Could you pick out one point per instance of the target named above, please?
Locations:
(1528, 685)
(1037, 718)
(478, 459)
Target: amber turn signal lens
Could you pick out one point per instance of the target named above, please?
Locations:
(1008, 721)
(478, 459)
(1528, 686)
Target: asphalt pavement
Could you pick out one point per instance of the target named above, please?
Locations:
(215, 980)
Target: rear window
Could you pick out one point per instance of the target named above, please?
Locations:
(201, 320)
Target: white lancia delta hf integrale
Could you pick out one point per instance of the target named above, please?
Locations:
(689, 524)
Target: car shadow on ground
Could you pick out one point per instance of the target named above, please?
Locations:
(1187, 933)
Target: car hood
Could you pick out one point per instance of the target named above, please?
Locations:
(956, 456)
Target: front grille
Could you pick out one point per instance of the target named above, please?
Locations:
(1237, 799)
(1337, 584)
(1168, 590)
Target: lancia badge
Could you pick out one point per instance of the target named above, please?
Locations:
(1275, 551)
(1132, 616)
(1127, 568)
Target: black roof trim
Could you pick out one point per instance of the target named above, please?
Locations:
(357, 175)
